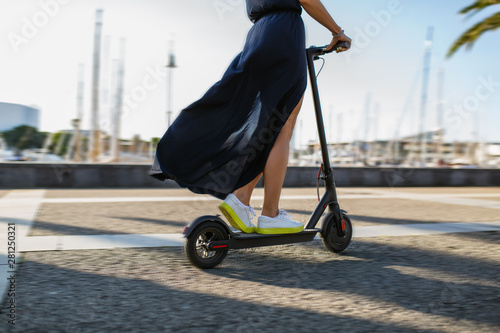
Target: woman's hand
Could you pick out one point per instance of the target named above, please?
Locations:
(336, 40)
(318, 12)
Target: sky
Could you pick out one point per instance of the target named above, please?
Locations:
(42, 43)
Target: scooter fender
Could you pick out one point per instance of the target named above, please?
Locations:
(324, 224)
(202, 219)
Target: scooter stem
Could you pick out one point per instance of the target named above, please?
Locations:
(312, 53)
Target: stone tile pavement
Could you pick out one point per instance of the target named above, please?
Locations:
(424, 260)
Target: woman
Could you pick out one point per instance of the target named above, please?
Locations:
(241, 128)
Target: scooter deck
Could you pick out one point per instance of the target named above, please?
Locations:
(244, 240)
(240, 235)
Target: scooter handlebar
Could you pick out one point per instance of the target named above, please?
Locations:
(321, 50)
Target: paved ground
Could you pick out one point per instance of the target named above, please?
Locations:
(432, 283)
(91, 218)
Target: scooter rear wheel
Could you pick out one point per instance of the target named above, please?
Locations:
(197, 245)
(332, 240)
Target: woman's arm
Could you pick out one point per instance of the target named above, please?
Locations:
(318, 12)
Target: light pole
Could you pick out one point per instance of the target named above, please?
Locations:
(423, 99)
(95, 137)
(118, 102)
(77, 144)
(170, 66)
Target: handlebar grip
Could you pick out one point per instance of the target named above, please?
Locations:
(342, 44)
(315, 51)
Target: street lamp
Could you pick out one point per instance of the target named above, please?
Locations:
(170, 65)
(95, 137)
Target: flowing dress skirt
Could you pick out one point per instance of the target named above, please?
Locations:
(222, 141)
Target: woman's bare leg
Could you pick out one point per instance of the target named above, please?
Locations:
(275, 169)
(245, 193)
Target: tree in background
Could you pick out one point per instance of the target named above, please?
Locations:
(24, 137)
(469, 37)
(60, 143)
(155, 142)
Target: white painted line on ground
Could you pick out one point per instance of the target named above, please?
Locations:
(95, 242)
(186, 199)
(474, 195)
(455, 199)
(17, 208)
(424, 229)
(126, 199)
(155, 199)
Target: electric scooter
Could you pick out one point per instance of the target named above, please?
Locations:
(208, 238)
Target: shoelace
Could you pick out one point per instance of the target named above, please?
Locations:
(286, 216)
(283, 212)
(251, 213)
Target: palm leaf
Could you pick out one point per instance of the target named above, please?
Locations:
(469, 37)
(478, 6)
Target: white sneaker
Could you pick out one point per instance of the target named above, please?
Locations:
(239, 216)
(281, 224)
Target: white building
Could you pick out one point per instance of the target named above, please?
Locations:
(13, 115)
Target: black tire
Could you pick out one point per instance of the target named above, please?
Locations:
(196, 245)
(332, 240)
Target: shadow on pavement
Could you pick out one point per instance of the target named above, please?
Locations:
(376, 271)
(61, 229)
(56, 299)
(386, 220)
(177, 224)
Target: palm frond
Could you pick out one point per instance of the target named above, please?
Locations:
(469, 37)
(478, 6)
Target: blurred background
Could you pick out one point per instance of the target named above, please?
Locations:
(100, 81)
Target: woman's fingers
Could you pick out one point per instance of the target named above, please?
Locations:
(343, 38)
(336, 40)
(332, 44)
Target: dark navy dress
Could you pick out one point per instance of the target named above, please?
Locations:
(222, 141)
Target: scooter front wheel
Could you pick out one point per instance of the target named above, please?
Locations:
(197, 245)
(332, 240)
